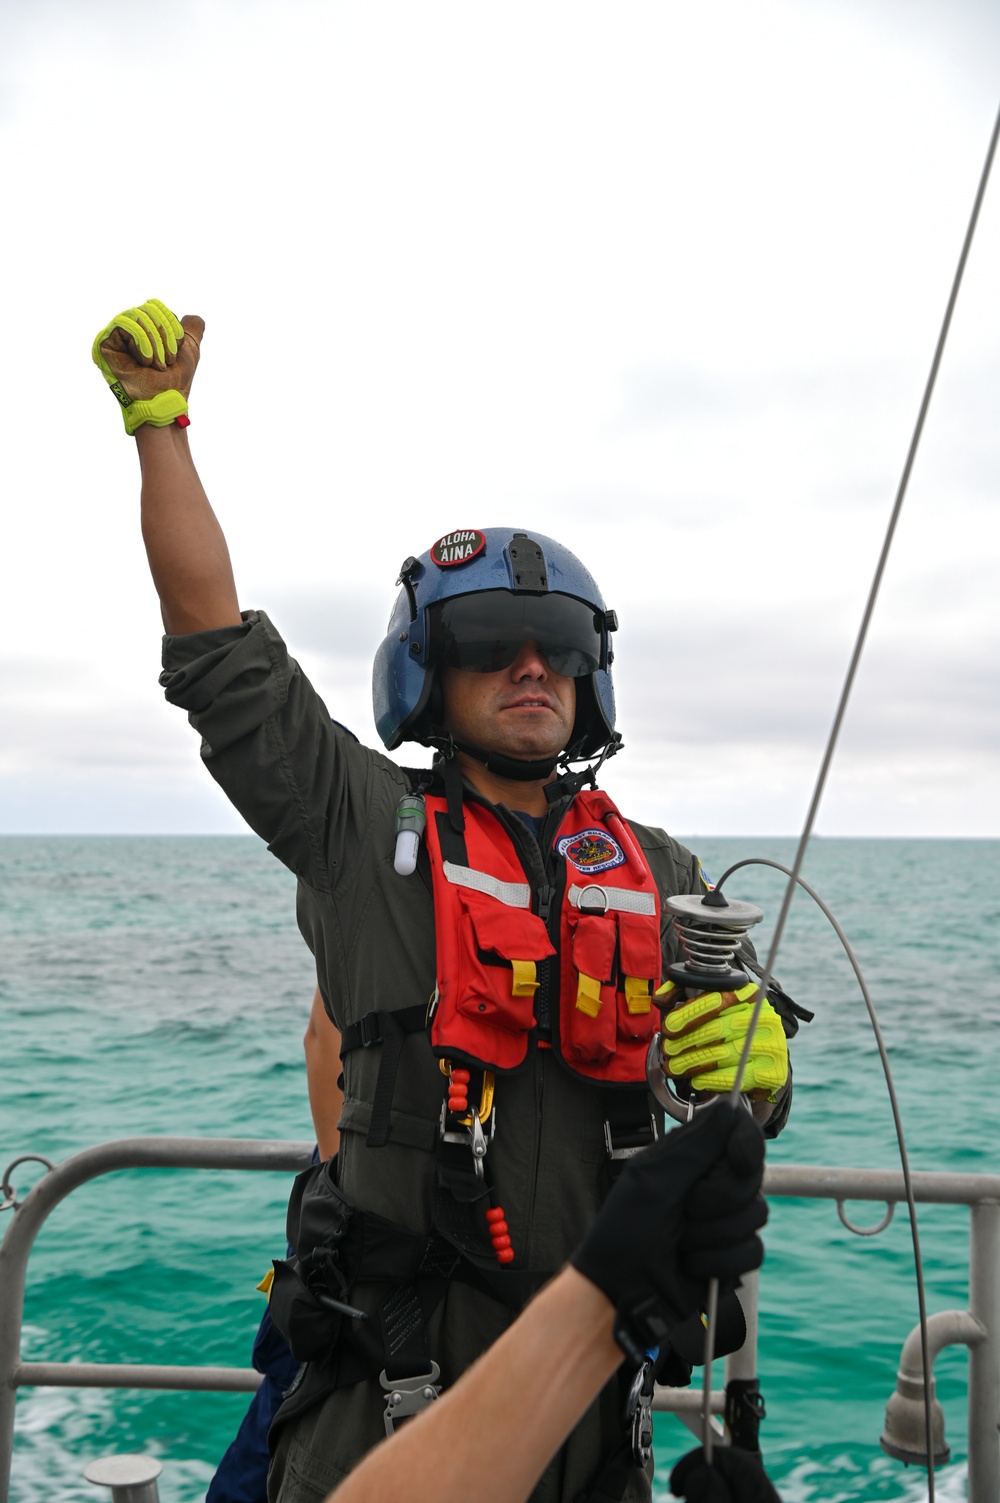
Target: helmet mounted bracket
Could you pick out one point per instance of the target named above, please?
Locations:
(527, 564)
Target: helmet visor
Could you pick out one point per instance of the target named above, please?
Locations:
(484, 633)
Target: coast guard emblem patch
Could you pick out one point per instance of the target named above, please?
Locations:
(591, 851)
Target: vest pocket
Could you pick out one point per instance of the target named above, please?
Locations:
(499, 954)
(589, 1032)
(639, 962)
(615, 965)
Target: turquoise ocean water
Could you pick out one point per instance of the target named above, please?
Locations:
(159, 986)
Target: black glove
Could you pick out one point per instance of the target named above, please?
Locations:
(683, 1211)
(725, 1210)
(733, 1477)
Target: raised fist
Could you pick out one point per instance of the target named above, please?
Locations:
(148, 357)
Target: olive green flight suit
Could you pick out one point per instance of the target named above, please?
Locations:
(326, 807)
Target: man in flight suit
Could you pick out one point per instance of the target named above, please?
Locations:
(495, 1003)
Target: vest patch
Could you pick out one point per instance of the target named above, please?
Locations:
(591, 851)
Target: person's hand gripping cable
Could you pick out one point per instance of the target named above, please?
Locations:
(682, 1212)
(707, 1007)
(733, 1477)
(704, 1037)
(148, 357)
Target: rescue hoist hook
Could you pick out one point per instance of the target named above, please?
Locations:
(710, 930)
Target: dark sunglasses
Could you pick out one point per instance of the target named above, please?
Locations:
(484, 633)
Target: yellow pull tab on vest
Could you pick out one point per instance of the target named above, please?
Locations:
(265, 1284)
(588, 995)
(524, 983)
(636, 994)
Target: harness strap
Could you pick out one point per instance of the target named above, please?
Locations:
(629, 1126)
(388, 1029)
(404, 1333)
(451, 841)
(371, 1028)
(455, 794)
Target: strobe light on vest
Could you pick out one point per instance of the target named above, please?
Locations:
(411, 821)
(710, 930)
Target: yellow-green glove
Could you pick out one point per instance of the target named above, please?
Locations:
(148, 358)
(703, 1040)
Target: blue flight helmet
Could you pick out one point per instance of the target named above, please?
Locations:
(468, 563)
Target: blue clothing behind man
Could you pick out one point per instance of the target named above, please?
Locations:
(242, 1474)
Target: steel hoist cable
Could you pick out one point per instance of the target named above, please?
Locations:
(794, 878)
(904, 1158)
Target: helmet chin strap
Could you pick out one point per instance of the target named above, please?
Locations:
(519, 771)
(514, 768)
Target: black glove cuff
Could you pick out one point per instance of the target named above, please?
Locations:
(639, 1328)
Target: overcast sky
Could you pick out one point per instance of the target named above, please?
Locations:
(661, 280)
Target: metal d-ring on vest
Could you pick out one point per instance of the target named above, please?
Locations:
(597, 899)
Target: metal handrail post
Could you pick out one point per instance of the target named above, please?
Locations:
(984, 1358)
(742, 1364)
(57, 1183)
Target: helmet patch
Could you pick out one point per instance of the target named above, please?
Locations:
(591, 851)
(457, 548)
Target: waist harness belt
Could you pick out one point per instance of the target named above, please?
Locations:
(337, 1246)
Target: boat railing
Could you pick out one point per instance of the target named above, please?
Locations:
(27, 1220)
(981, 1331)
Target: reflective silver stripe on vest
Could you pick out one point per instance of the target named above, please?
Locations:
(597, 899)
(514, 894)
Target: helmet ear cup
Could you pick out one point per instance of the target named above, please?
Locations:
(595, 715)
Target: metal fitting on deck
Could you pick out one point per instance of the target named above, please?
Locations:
(905, 1433)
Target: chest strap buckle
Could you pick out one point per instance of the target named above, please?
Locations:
(406, 1396)
(623, 1142)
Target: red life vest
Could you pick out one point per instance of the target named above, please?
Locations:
(491, 943)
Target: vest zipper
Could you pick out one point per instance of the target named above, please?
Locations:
(543, 999)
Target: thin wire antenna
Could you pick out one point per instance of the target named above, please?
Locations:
(838, 718)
